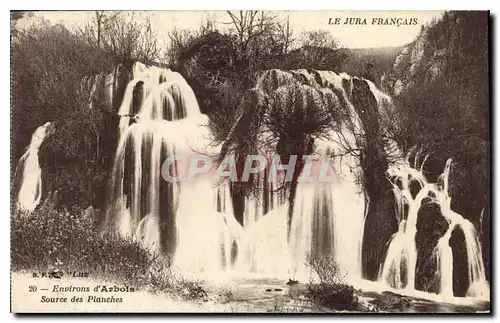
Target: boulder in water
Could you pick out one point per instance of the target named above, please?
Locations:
(460, 269)
(431, 226)
(415, 187)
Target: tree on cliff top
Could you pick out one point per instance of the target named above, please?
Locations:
(122, 36)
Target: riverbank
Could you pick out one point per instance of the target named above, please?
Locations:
(256, 295)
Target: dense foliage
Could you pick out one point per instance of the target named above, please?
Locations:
(48, 64)
(370, 63)
(55, 72)
(51, 240)
(59, 76)
(222, 66)
(330, 291)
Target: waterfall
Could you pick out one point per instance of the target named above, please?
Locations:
(444, 259)
(28, 175)
(160, 118)
(478, 285)
(328, 219)
(207, 240)
(269, 198)
(264, 249)
(163, 95)
(194, 221)
(327, 216)
(399, 268)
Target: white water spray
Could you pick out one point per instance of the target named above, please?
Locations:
(161, 214)
(401, 260)
(28, 173)
(327, 218)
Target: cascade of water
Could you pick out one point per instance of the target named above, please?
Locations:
(161, 214)
(164, 95)
(341, 196)
(478, 285)
(318, 225)
(444, 260)
(399, 267)
(401, 259)
(126, 107)
(28, 176)
(268, 199)
(109, 85)
(423, 163)
(207, 241)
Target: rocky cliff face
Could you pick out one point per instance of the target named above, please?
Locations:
(420, 60)
(439, 83)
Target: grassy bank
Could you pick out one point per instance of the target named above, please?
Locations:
(66, 240)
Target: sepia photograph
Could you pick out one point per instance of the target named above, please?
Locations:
(257, 161)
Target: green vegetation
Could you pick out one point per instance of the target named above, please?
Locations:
(370, 63)
(331, 291)
(68, 240)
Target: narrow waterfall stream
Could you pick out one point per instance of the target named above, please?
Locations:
(28, 176)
